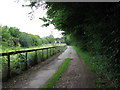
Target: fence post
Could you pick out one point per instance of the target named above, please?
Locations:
(47, 52)
(8, 73)
(57, 49)
(42, 55)
(53, 51)
(36, 57)
(50, 51)
(26, 65)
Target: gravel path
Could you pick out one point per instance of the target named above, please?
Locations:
(77, 75)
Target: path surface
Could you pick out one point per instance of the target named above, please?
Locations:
(77, 75)
(38, 75)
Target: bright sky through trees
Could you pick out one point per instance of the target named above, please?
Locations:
(14, 15)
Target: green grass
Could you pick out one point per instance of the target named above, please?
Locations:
(93, 62)
(98, 64)
(86, 57)
(57, 75)
(10, 49)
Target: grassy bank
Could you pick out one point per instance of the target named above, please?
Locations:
(86, 57)
(99, 65)
(57, 75)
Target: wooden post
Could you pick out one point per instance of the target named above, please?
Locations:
(36, 57)
(50, 51)
(57, 50)
(42, 55)
(26, 65)
(8, 73)
(47, 52)
(53, 51)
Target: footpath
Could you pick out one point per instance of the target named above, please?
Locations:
(76, 76)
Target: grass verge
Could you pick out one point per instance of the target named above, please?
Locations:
(86, 57)
(98, 64)
(57, 75)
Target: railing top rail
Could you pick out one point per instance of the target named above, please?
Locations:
(23, 51)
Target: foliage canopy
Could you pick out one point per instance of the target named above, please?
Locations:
(94, 27)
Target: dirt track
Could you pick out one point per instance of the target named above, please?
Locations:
(77, 74)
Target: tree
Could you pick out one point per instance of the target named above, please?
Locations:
(50, 39)
(6, 37)
(92, 26)
(24, 40)
(15, 33)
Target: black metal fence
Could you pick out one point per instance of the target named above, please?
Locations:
(49, 52)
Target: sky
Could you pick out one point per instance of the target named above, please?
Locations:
(13, 14)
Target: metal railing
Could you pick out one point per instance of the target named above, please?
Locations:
(52, 51)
